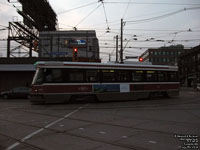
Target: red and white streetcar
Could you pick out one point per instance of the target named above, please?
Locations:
(60, 82)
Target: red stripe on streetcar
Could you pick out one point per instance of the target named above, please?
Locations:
(62, 89)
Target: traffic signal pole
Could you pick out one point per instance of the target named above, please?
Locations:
(116, 49)
(75, 54)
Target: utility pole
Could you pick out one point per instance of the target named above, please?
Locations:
(116, 49)
(109, 57)
(121, 51)
(8, 42)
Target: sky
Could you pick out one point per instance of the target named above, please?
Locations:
(146, 23)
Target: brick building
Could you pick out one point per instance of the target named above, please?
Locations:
(163, 55)
(189, 67)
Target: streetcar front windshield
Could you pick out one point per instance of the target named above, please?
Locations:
(38, 78)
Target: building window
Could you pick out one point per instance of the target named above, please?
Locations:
(164, 59)
(193, 58)
(167, 59)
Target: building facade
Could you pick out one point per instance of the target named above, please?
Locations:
(163, 55)
(189, 67)
(62, 43)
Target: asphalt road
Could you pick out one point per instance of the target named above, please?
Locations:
(158, 124)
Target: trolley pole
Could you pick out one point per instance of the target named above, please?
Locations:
(121, 51)
(116, 49)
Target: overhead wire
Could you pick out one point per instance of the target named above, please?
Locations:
(117, 22)
(175, 12)
(126, 8)
(161, 16)
(88, 15)
(105, 14)
(152, 3)
(76, 8)
(108, 23)
(65, 25)
(3, 26)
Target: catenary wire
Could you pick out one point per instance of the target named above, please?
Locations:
(105, 14)
(152, 3)
(88, 15)
(161, 16)
(126, 9)
(76, 8)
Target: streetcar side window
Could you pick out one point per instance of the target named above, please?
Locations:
(138, 76)
(92, 75)
(53, 75)
(123, 76)
(161, 76)
(151, 76)
(172, 76)
(108, 75)
(76, 76)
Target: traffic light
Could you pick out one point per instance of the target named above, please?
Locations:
(141, 59)
(75, 54)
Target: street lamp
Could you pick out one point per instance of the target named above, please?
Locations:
(134, 38)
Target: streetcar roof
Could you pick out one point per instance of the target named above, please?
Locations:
(81, 65)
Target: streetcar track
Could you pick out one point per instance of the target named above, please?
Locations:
(107, 122)
(87, 137)
(44, 107)
(97, 139)
(136, 106)
(67, 133)
(43, 128)
(17, 140)
(126, 117)
(101, 123)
